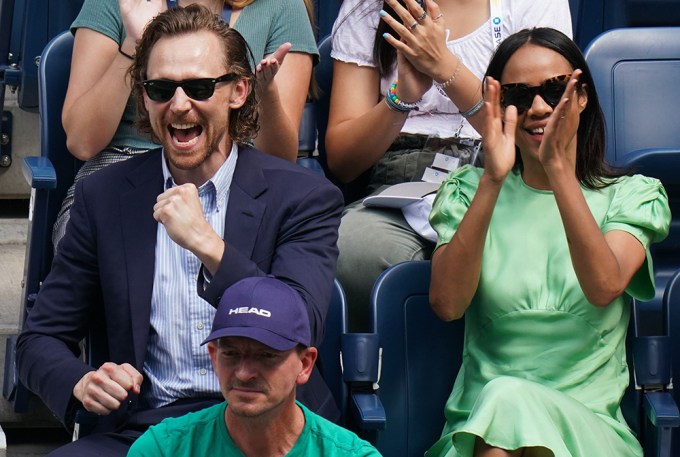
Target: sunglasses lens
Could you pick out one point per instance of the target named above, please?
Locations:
(552, 92)
(518, 96)
(199, 89)
(160, 91)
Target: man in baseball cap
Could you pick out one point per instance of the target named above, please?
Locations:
(260, 348)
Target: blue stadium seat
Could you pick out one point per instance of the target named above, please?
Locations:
(329, 350)
(326, 11)
(672, 306)
(592, 17)
(49, 175)
(34, 23)
(636, 73)
(422, 355)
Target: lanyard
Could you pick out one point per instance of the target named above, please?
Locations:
(496, 21)
(226, 12)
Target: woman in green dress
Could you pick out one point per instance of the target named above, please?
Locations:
(541, 251)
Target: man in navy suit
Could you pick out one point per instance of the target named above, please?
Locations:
(154, 241)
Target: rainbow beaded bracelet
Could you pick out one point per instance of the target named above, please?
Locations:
(394, 103)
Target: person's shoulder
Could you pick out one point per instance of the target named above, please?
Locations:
(282, 173)
(337, 440)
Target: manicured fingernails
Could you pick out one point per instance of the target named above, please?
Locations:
(386, 35)
(383, 13)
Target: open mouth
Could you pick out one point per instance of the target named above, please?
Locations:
(185, 134)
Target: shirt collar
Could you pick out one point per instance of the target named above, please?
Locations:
(221, 180)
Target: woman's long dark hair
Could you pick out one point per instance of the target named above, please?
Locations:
(591, 168)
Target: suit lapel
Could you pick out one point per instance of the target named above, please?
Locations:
(245, 211)
(139, 243)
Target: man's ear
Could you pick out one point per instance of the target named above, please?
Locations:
(212, 350)
(239, 94)
(308, 357)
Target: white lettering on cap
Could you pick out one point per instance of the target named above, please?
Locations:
(246, 310)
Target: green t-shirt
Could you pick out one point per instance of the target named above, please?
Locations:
(265, 25)
(204, 433)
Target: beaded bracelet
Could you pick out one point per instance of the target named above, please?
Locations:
(451, 80)
(390, 104)
(395, 103)
(474, 110)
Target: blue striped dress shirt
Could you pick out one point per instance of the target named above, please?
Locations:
(176, 365)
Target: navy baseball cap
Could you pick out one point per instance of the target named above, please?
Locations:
(263, 309)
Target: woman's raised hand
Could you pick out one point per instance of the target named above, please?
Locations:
(137, 13)
(499, 133)
(559, 139)
(270, 65)
(422, 35)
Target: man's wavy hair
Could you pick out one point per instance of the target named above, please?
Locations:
(243, 121)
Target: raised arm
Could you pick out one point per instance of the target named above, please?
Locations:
(360, 126)
(604, 263)
(284, 82)
(99, 87)
(456, 266)
(98, 91)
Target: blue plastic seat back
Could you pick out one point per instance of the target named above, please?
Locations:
(636, 73)
(421, 358)
(55, 163)
(54, 74)
(672, 302)
(329, 351)
(592, 17)
(326, 11)
(36, 22)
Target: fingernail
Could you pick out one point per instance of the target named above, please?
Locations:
(383, 13)
(386, 35)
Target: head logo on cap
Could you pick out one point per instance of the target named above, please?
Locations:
(263, 309)
(246, 310)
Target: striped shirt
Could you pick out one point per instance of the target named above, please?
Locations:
(176, 365)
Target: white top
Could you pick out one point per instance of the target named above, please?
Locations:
(354, 34)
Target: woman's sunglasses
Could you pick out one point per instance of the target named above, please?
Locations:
(522, 96)
(162, 90)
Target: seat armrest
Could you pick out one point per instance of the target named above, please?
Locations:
(361, 363)
(39, 173)
(368, 411)
(661, 410)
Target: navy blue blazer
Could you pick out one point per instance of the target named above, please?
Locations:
(281, 220)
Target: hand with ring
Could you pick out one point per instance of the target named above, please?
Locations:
(422, 37)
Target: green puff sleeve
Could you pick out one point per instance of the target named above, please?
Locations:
(640, 207)
(452, 201)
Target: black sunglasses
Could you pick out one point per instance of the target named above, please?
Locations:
(162, 90)
(522, 96)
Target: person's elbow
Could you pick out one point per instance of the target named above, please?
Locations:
(80, 148)
(604, 295)
(445, 308)
(339, 166)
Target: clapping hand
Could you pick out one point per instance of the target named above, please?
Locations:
(499, 137)
(560, 135)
